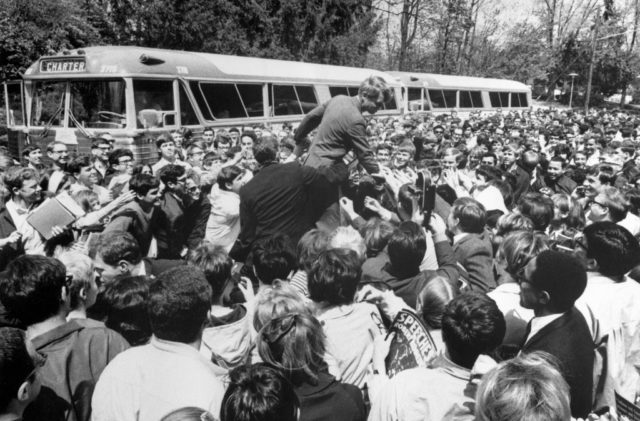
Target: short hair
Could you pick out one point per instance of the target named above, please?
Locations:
(489, 173)
(84, 198)
(142, 183)
(520, 247)
(562, 276)
(472, 324)
(227, 175)
(616, 202)
(209, 157)
(251, 134)
(334, 277)
(164, 138)
(51, 145)
(376, 233)
(189, 413)
(513, 222)
(115, 246)
(432, 300)
(273, 258)
(470, 214)
(538, 208)
(30, 288)
(114, 156)
(529, 387)
(613, 247)
(16, 176)
(78, 163)
(311, 244)
(266, 150)
(348, 238)
(559, 159)
(31, 148)
(179, 300)
(80, 268)
(170, 173)
(407, 247)
(125, 301)
(278, 299)
(295, 344)
(15, 364)
(216, 264)
(407, 146)
(100, 141)
(259, 393)
(372, 87)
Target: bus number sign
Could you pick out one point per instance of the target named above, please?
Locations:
(62, 66)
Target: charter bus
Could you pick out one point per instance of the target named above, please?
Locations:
(445, 93)
(134, 94)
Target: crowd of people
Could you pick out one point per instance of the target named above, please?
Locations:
(242, 277)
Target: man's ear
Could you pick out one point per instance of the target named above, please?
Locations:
(544, 298)
(83, 293)
(124, 266)
(24, 391)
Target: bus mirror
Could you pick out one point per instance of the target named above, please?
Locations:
(169, 119)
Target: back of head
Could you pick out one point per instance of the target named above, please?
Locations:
(311, 244)
(562, 276)
(31, 287)
(372, 87)
(142, 183)
(376, 233)
(259, 393)
(189, 413)
(15, 364)
(265, 151)
(348, 238)
(115, 246)
(433, 299)
(472, 324)
(273, 258)
(519, 247)
(616, 202)
(407, 247)
(80, 268)
(614, 248)
(538, 208)
(179, 300)
(470, 214)
(170, 173)
(334, 277)
(295, 344)
(279, 299)
(125, 302)
(216, 264)
(529, 388)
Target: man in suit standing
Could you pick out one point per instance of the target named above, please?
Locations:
(341, 129)
(277, 198)
(550, 285)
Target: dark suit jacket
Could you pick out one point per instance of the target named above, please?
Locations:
(523, 181)
(10, 251)
(196, 217)
(171, 233)
(569, 340)
(276, 201)
(341, 128)
(475, 253)
(154, 267)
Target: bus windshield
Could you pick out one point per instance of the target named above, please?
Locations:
(47, 106)
(97, 104)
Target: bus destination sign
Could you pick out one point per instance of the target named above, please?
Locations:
(63, 66)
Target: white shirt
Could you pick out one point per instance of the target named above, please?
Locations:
(31, 239)
(632, 223)
(507, 297)
(145, 383)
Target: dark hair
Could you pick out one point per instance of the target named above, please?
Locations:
(216, 264)
(407, 247)
(251, 134)
(115, 246)
(30, 288)
(77, 163)
(273, 258)
(613, 247)
(15, 364)
(16, 176)
(227, 175)
(115, 155)
(164, 138)
(259, 393)
(538, 208)
(142, 183)
(376, 233)
(372, 87)
(100, 141)
(562, 276)
(334, 277)
(125, 301)
(311, 244)
(179, 300)
(170, 173)
(470, 214)
(559, 159)
(265, 151)
(31, 148)
(472, 324)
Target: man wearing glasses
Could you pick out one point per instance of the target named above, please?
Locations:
(100, 149)
(59, 155)
(120, 169)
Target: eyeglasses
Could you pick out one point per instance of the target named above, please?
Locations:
(597, 203)
(126, 162)
(193, 189)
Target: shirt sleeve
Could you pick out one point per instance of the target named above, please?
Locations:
(357, 135)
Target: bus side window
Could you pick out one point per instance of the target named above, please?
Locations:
(494, 97)
(437, 99)
(523, 99)
(187, 113)
(515, 101)
(338, 90)
(449, 98)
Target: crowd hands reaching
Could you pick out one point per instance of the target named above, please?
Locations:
(206, 287)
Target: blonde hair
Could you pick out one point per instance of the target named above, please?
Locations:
(519, 247)
(348, 238)
(276, 300)
(526, 388)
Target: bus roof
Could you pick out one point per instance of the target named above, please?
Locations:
(432, 80)
(108, 61)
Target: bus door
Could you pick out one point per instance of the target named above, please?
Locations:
(14, 115)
